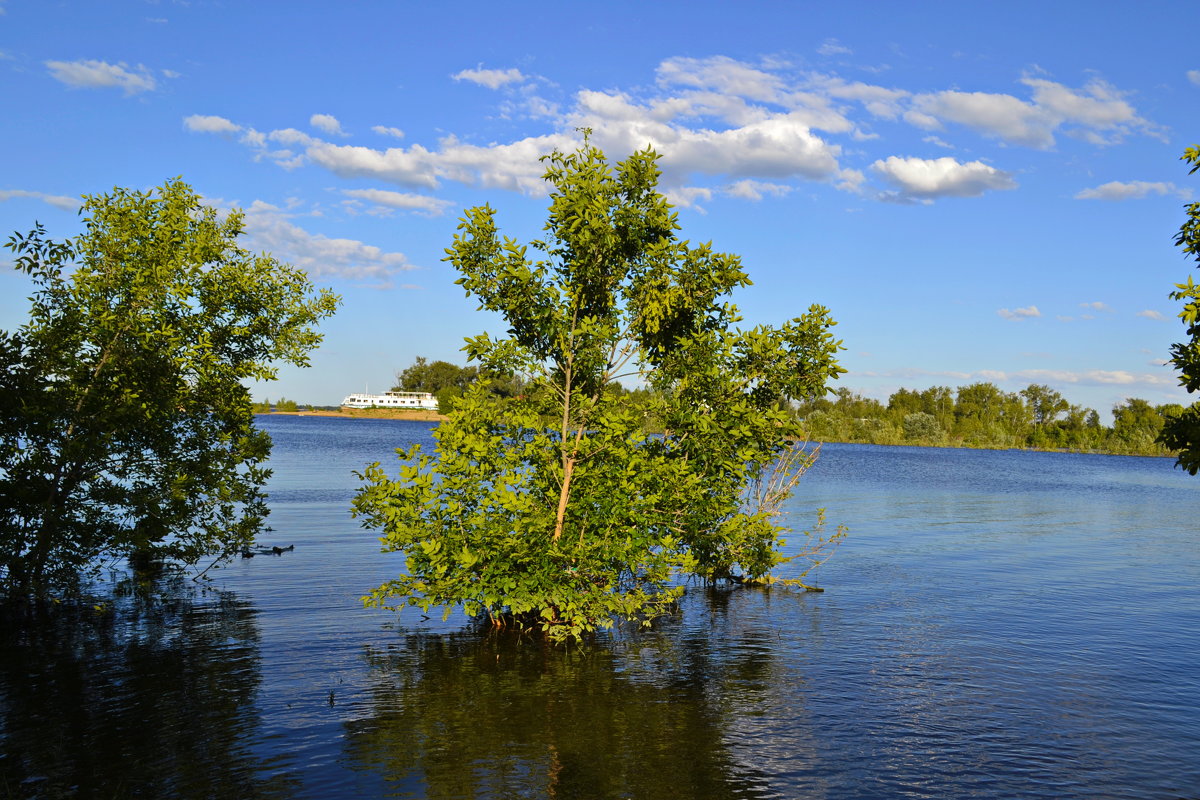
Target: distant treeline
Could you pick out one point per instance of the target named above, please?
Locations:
(448, 381)
(282, 404)
(977, 415)
(982, 415)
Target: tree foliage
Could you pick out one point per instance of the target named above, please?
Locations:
(557, 507)
(126, 430)
(983, 415)
(448, 381)
(1182, 431)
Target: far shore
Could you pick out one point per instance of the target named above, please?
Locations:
(368, 413)
(422, 415)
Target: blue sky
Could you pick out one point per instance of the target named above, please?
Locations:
(978, 191)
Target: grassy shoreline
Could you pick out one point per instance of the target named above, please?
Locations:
(960, 445)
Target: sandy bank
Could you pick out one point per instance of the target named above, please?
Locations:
(370, 413)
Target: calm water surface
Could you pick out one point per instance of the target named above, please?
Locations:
(998, 625)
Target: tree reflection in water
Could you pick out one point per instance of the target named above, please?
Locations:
(153, 696)
(501, 716)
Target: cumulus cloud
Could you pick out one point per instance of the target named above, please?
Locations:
(491, 78)
(1098, 112)
(925, 179)
(423, 204)
(999, 115)
(1090, 377)
(1129, 190)
(56, 200)
(1193, 75)
(327, 123)
(756, 190)
(269, 228)
(1150, 313)
(202, 123)
(384, 130)
(832, 47)
(1096, 305)
(723, 125)
(879, 101)
(689, 196)
(92, 74)
(514, 166)
(721, 74)
(1027, 312)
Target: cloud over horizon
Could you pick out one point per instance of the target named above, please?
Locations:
(92, 74)
(1028, 312)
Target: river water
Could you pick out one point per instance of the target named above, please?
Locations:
(997, 625)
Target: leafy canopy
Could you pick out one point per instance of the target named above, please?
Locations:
(125, 428)
(1182, 431)
(556, 507)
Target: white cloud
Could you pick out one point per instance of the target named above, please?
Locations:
(937, 142)
(1130, 190)
(721, 74)
(832, 47)
(384, 130)
(778, 147)
(1090, 377)
(879, 101)
(91, 74)
(1096, 305)
(513, 166)
(202, 123)
(851, 181)
(689, 196)
(56, 200)
(720, 122)
(430, 206)
(1019, 313)
(1098, 113)
(1193, 75)
(291, 136)
(327, 123)
(1151, 314)
(925, 179)
(999, 115)
(748, 189)
(268, 228)
(491, 78)
(254, 138)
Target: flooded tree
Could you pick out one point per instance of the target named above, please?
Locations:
(557, 509)
(126, 429)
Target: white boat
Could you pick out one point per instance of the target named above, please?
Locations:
(421, 400)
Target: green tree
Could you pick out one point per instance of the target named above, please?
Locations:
(1044, 403)
(557, 508)
(1182, 431)
(923, 427)
(433, 377)
(1136, 425)
(127, 430)
(449, 381)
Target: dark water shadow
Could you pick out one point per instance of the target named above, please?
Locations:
(502, 716)
(151, 695)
